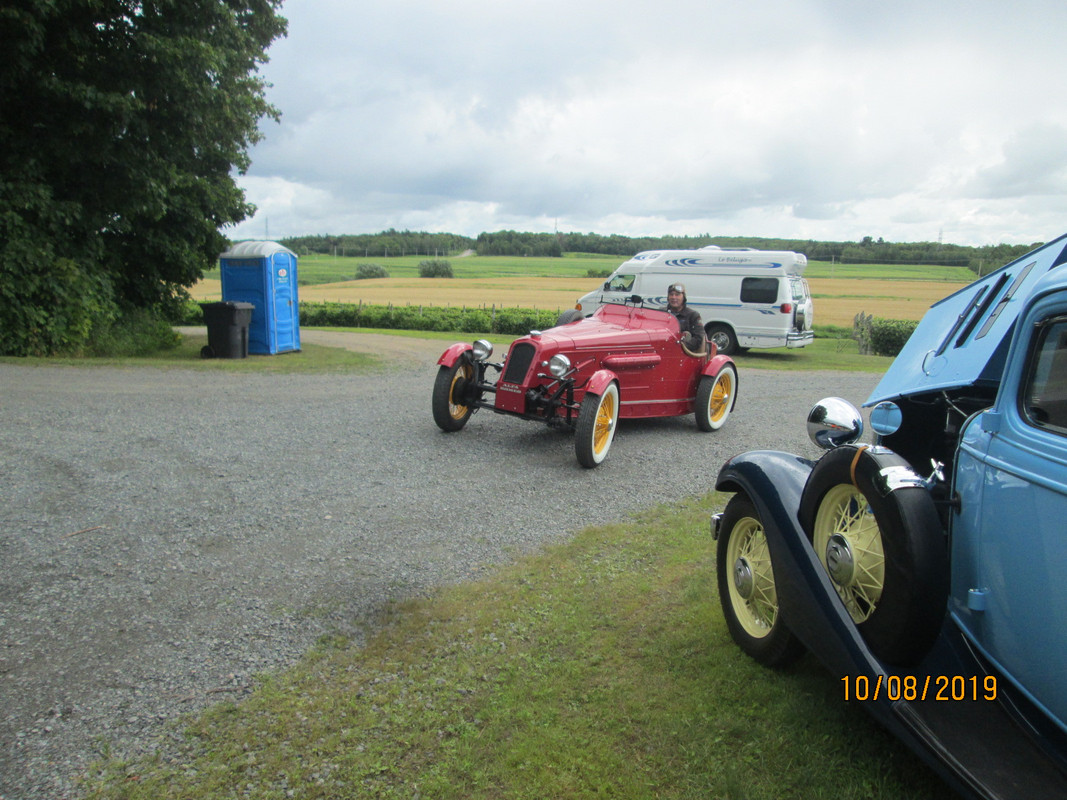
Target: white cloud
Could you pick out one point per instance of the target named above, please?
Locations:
(813, 118)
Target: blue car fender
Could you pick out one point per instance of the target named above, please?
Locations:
(807, 601)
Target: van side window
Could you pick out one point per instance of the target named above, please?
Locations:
(1045, 392)
(620, 283)
(759, 290)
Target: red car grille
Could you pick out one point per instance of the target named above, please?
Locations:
(519, 360)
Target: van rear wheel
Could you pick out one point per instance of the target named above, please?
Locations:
(722, 336)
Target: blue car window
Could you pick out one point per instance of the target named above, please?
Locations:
(1045, 392)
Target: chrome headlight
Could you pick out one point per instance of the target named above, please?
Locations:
(482, 350)
(559, 365)
(886, 418)
(833, 422)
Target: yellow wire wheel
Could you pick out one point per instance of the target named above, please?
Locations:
(878, 534)
(747, 589)
(848, 541)
(598, 418)
(715, 398)
(450, 412)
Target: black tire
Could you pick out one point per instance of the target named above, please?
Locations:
(722, 336)
(568, 316)
(747, 590)
(597, 419)
(880, 538)
(715, 398)
(450, 410)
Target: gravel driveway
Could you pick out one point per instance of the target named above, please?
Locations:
(165, 535)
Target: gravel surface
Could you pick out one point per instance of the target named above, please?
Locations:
(169, 534)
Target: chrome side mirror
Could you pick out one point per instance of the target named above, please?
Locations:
(833, 422)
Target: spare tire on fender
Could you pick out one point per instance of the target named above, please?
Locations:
(877, 532)
(567, 317)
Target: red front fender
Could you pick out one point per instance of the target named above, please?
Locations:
(452, 354)
(716, 363)
(600, 380)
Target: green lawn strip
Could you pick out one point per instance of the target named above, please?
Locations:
(907, 272)
(600, 667)
(823, 353)
(826, 352)
(310, 359)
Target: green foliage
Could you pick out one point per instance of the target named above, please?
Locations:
(388, 244)
(513, 243)
(435, 268)
(867, 251)
(139, 332)
(123, 124)
(49, 305)
(881, 337)
(597, 273)
(394, 244)
(189, 312)
(364, 271)
(506, 321)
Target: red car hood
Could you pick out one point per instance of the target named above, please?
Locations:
(611, 329)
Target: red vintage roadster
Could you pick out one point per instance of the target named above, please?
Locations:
(624, 361)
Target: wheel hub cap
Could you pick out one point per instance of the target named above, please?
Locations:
(743, 580)
(840, 562)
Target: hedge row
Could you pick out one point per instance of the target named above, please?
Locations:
(506, 321)
(875, 335)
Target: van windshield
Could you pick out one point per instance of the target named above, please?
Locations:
(619, 283)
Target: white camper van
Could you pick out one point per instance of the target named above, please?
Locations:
(746, 298)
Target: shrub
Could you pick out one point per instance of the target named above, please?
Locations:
(188, 313)
(435, 268)
(49, 305)
(597, 273)
(364, 271)
(881, 337)
(135, 333)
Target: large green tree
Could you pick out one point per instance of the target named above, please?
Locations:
(122, 123)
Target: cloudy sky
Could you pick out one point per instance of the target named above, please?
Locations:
(825, 119)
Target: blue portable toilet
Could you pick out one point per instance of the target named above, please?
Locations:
(264, 274)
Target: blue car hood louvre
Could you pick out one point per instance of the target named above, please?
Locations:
(963, 340)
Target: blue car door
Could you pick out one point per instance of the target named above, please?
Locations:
(1009, 537)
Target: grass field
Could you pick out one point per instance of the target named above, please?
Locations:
(840, 291)
(597, 668)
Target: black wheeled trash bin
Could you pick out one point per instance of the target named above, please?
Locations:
(227, 329)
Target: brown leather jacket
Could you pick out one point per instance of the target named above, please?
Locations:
(692, 327)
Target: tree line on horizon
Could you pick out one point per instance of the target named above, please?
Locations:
(553, 245)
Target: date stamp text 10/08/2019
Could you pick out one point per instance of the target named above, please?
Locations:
(945, 688)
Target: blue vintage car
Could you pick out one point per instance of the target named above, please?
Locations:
(929, 569)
